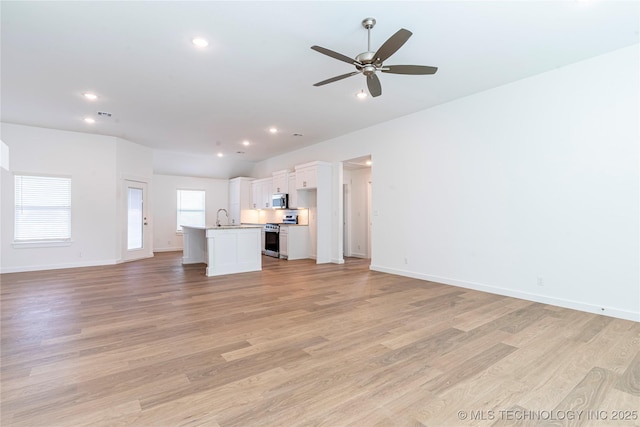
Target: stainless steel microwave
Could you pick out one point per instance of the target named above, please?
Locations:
(280, 201)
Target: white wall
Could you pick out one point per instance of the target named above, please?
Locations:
(533, 180)
(165, 237)
(4, 156)
(90, 161)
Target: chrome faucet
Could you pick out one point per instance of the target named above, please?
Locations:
(218, 216)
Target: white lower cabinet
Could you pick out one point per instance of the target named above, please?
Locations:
(284, 242)
(294, 242)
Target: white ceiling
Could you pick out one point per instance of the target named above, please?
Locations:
(259, 70)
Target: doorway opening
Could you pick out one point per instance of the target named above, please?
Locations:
(356, 215)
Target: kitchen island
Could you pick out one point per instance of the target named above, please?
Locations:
(227, 249)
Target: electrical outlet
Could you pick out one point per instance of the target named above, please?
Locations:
(540, 281)
(406, 261)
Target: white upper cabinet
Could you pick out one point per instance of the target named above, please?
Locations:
(267, 193)
(280, 182)
(261, 193)
(306, 177)
(239, 199)
(293, 193)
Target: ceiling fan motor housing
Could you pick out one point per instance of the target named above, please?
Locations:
(368, 67)
(365, 57)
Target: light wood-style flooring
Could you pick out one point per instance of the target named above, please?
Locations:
(156, 343)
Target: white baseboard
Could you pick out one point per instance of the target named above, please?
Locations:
(167, 249)
(358, 255)
(337, 260)
(144, 256)
(24, 269)
(544, 299)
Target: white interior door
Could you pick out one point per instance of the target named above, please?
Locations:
(137, 239)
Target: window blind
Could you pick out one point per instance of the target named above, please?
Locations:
(42, 208)
(191, 208)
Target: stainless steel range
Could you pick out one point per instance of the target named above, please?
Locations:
(272, 240)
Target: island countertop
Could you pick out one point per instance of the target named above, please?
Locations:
(224, 227)
(234, 227)
(227, 249)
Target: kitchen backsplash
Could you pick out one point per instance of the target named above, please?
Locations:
(265, 216)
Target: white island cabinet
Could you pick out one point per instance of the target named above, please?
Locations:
(225, 250)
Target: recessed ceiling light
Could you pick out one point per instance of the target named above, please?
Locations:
(362, 94)
(368, 163)
(89, 120)
(90, 96)
(245, 143)
(200, 42)
(273, 129)
(220, 154)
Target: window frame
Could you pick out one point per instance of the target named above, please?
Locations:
(178, 210)
(40, 241)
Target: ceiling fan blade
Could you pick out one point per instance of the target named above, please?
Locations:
(373, 83)
(335, 55)
(409, 69)
(392, 44)
(335, 79)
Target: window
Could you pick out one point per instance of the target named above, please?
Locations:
(135, 218)
(190, 208)
(42, 208)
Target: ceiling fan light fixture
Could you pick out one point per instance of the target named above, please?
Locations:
(362, 94)
(200, 42)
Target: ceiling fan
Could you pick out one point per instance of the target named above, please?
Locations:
(368, 63)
